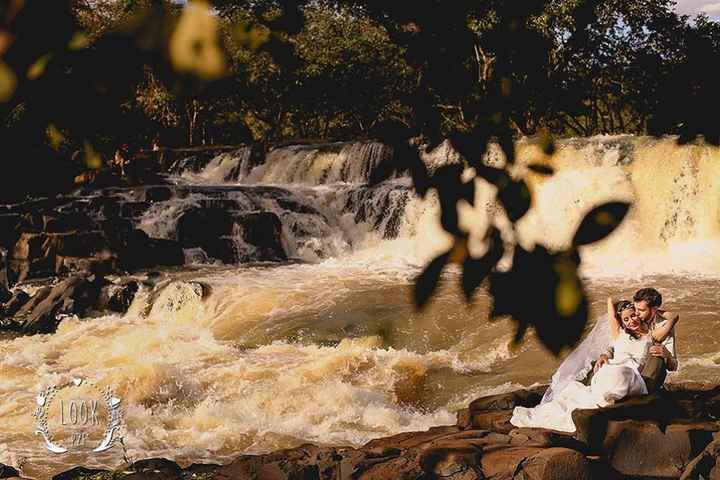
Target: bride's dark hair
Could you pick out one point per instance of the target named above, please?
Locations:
(619, 307)
(623, 305)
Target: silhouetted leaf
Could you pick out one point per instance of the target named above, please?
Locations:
(545, 291)
(475, 270)
(515, 198)
(541, 169)
(495, 176)
(471, 146)
(8, 81)
(600, 222)
(427, 281)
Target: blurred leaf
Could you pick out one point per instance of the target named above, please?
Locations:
(600, 222)
(194, 46)
(545, 291)
(541, 169)
(6, 39)
(38, 68)
(250, 36)
(495, 176)
(427, 281)
(472, 146)
(568, 293)
(516, 199)
(55, 137)
(93, 160)
(475, 270)
(79, 41)
(8, 82)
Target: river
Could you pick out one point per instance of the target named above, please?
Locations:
(329, 349)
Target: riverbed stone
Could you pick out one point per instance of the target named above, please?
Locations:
(199, 225)
(706, 465)
(555, 463)
(644, 449)
(82, 473)
(72, 296)
(507, 401)
(263, 230)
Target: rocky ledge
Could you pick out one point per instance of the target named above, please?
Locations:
(671, 434)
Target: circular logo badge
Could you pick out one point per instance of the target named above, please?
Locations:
(78, 417)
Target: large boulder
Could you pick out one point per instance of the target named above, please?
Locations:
(263, 230)
(6, 471)
(9, 223)
(705, 465)
(117, 297)
(643, 449)
(198, 227)
(45, 309)
(39, 254)
(136, 250)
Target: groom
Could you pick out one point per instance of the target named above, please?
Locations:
(647, 306)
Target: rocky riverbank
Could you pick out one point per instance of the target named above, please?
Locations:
(672, 434)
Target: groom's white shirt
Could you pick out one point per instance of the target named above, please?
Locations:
(669, 343)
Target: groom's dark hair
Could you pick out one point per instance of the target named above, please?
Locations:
(650, 295)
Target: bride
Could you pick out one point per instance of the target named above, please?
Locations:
(618, 378)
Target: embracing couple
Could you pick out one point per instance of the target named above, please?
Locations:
(624, 356)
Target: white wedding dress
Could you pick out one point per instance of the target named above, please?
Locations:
(617, 379)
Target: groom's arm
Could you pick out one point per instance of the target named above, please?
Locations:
(666, 349)
(670, 357)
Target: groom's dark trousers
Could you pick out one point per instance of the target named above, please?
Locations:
(654, 372)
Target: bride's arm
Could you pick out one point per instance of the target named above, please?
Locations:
(661, 332)
(613, 321)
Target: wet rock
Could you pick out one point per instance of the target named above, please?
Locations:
(643, 449)
(79, 244)
(39, 254)
(263, 230)
(7, 471)
(495, 420)
(73, 296)
(117, 232)
(133, 209)
(158, 194)
(696, 400)
(224, 249)
(411, 439)
(556, 463)
(164, 252)
(297, 463)
(137, 250)
(13, 305)
(121, 298)
(117, 297)
(9, 223)
(592, 424)
(101, 264)
(199, 226)
(155, 468)
(705, 465)
(79, 473)
(69, 222)
(507, 401)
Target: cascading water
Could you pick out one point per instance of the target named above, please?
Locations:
(217, 361)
